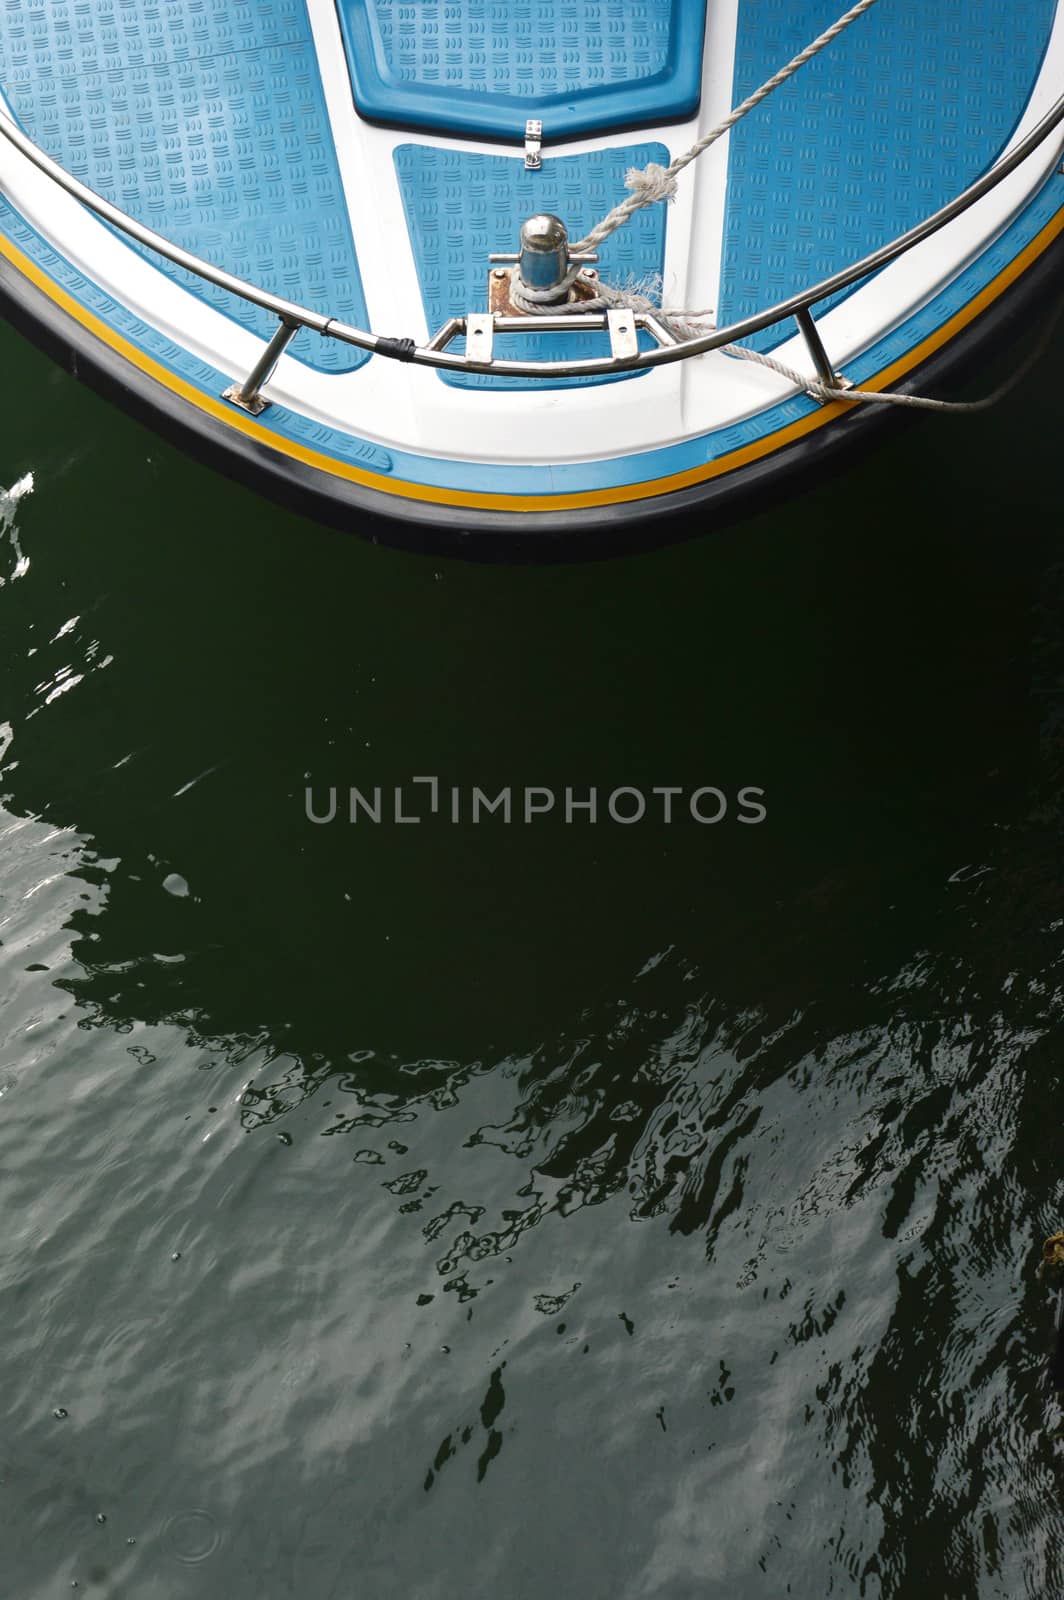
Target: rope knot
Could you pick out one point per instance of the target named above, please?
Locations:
(650, 183)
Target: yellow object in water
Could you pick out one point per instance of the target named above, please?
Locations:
(1053, 1251)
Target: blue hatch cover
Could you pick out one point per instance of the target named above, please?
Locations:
(483, 67)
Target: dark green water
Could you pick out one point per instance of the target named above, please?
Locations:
(601, 1211)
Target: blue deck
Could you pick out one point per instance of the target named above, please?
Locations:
(460, 208)
(207, 122)
(479, 67)
(898, 116)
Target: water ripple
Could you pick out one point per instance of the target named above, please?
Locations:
(192, 1535)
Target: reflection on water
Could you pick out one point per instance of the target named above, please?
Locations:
(633, 1213)
(9, 499)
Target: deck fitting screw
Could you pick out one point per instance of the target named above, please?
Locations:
(499, 272)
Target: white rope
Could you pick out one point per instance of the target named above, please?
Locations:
(652, 183)
(544, 302)
(919, 402)
(827, 391)
(643, 294)
(815, 386)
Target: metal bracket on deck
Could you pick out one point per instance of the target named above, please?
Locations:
(499, 302)
(533, 144)
(624, 341)
(480, 335)
(482, 330)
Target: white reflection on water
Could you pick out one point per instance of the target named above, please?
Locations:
(9, 500)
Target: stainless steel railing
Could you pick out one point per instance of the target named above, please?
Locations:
(292, 317)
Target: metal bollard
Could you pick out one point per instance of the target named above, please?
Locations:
(544, 256)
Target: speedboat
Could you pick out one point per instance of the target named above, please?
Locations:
(529, 276)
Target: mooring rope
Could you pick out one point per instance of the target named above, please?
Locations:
(827, 391)
(652, 183)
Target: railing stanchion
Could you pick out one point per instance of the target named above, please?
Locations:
(815, 345)
(246, 395)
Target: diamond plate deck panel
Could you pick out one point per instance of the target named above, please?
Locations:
(462, 207)
(894, 119)
(206, 120)
(481, 66)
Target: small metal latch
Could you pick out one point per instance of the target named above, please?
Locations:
(480, 333)
(623, 339)
(533, 142)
